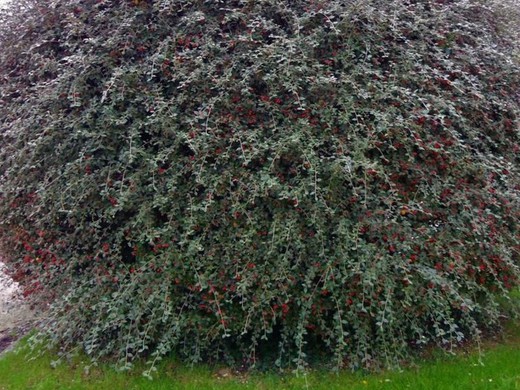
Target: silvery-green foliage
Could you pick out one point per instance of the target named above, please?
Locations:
(261, 179)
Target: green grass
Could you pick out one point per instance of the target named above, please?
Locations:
(499, 368)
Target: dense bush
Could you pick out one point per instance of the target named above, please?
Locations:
(261, 179)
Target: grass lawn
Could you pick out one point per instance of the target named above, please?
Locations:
(499, 368)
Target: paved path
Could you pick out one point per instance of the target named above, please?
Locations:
(15, 316)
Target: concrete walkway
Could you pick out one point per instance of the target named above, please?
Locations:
(15, 315)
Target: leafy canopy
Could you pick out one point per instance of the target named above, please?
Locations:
(257, 180)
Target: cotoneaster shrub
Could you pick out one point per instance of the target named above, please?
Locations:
(249, 180)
